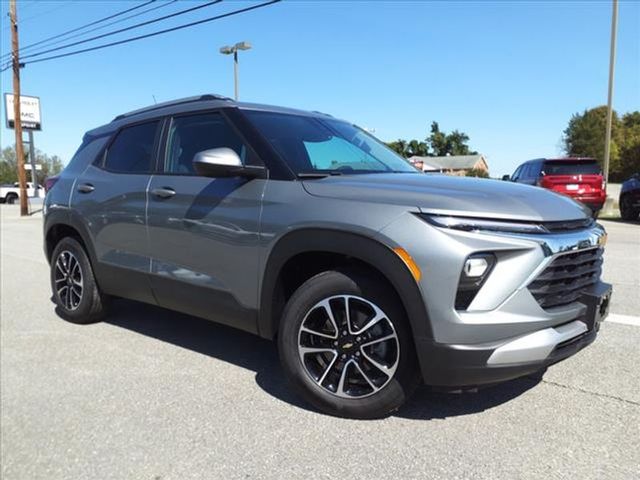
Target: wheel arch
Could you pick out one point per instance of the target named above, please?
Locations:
(364, 251)
(60, 224)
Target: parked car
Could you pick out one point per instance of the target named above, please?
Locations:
(305, 229)
(10, 193)
(579, 178)
(629, 200)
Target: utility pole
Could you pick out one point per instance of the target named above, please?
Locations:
(13, 14)
(612, 63)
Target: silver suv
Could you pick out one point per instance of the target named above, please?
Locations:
(303, 228)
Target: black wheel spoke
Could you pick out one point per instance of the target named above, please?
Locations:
(68, 280)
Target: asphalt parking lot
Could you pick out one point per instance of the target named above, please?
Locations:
(151, 394)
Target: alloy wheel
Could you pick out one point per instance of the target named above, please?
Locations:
(348, 346)
(68, 280)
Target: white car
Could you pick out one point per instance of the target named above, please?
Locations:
(11, 193)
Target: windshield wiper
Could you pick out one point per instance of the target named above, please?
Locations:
(310, 175)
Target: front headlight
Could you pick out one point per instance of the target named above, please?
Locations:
(470, 224)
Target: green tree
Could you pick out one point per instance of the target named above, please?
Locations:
(630, 145)
(442, 144)
(9, 170)
(585, 137)
(400, 147)
(418, 148)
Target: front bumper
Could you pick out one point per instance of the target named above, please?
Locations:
(467, 366)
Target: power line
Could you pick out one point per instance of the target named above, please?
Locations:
(37, 15)
(125, 29)
(46, 12)
(117, 14)
(100, 27)
(153, 34)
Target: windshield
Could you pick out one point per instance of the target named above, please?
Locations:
(582, 167)
(323, 145)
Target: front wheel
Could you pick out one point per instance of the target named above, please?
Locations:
(345, 345)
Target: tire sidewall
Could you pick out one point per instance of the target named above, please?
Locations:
(346, 282)
(80, 314)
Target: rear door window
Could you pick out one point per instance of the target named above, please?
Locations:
(132, 150)
(588, 167)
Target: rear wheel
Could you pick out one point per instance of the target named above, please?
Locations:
(346, 346)
(627, 212)
(74, 288)
(11, 198)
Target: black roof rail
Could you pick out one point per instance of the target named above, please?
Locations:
(180, 101)
(322, 113)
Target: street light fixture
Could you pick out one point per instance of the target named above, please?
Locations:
(228, 50)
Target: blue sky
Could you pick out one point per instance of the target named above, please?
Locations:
(509, 74)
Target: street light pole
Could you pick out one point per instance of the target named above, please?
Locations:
(612, 62)
(235, 73)
(228, 50)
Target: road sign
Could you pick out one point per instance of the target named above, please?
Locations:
(29, 167)
(29, 112)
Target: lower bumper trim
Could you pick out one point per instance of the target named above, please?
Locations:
(536, 346)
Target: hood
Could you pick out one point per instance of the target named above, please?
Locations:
(462, 196)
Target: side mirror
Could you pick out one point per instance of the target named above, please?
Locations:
(506, 178)
(224, 162)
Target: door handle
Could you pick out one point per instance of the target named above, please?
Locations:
(86, 188)
(164, 192)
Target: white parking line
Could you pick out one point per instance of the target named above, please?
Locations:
(625, 319)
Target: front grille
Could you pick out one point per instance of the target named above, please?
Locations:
(568, 225)
(566, 277)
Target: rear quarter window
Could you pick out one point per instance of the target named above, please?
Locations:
(87, 153)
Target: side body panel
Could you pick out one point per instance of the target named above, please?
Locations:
(293, 222)
(114, 214)
(203, 243)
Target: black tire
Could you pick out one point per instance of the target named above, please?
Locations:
(627, 212)
(351, 283)
(11, 198)
(90, 305)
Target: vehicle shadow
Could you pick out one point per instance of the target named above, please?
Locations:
(259, 355)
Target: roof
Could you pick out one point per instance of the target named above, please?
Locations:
(455, 162)
(190, 104)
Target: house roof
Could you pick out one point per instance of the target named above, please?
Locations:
(455, 162)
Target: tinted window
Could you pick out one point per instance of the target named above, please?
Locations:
(319, 144)
(582, 167)
(132, 150)
(86, 154)
(531, 170)
(195, 133)
(516, 174)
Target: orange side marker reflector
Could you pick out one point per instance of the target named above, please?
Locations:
(408, 261)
